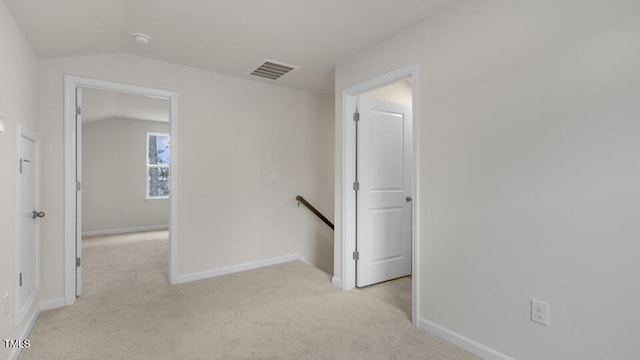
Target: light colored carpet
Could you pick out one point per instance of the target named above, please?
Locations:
(288, 311)
(395, 292)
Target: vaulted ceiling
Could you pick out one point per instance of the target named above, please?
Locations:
(226, 36)
(101, 105)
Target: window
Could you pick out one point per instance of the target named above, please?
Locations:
(157, 166)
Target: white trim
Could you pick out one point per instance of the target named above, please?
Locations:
(71, 83)
(42, 306)
(238, 268)
(472, 346)
(51, 304)
(415, 218)
(21, 312)
(79, 194)
(348, 195)
(349, 97)
(15, 352)
(173, 190)
(126, 230)
(304, 260)
(336, 282)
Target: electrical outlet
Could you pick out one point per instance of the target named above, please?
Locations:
(125, 212)
(272, 179)
(5, 304)
(540, 312)
(235, 238)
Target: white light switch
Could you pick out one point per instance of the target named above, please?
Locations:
(272, 179)
(1, 123)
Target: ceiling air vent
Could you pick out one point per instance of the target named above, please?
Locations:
(272, 70)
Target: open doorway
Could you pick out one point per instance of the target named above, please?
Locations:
(379, 162)
(121, 120)
(125, 160)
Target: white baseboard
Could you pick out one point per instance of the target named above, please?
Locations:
(42, 306)
(125, 230)
(51, 304)
(336, 282)
(472, 346)
(304, 260)
(15, 352)
(236, 268)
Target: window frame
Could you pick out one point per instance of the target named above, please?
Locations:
(149, 166)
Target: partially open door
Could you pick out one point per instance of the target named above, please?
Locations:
(384, 203)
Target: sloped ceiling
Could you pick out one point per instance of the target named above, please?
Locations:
(231, 37)
(100, 105)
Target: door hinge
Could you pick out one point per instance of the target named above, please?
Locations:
(22, 161)
(78, 110)
(77, 262)
(78, 186)
(20, 279)
(356, 116)
(356, 255)
(356, 186)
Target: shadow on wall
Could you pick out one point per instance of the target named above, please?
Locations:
(321, 254)
(323, 248)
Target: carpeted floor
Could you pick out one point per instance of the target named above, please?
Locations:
(288, 311)
(395, 292)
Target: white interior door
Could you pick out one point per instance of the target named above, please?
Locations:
(78, 191)
(384, 158)
(27, 261)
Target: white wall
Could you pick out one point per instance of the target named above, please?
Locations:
(399, 92)
(530, 171)
(232, 133)
(115, 176)
(18, 71)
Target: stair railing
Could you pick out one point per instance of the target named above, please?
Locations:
(304, 202)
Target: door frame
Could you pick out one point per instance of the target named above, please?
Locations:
(348, 160)
(20, 313)
(71, 84)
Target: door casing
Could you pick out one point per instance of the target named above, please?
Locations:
(348, 159)
(71, 84)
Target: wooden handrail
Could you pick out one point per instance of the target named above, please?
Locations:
(314, 210)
